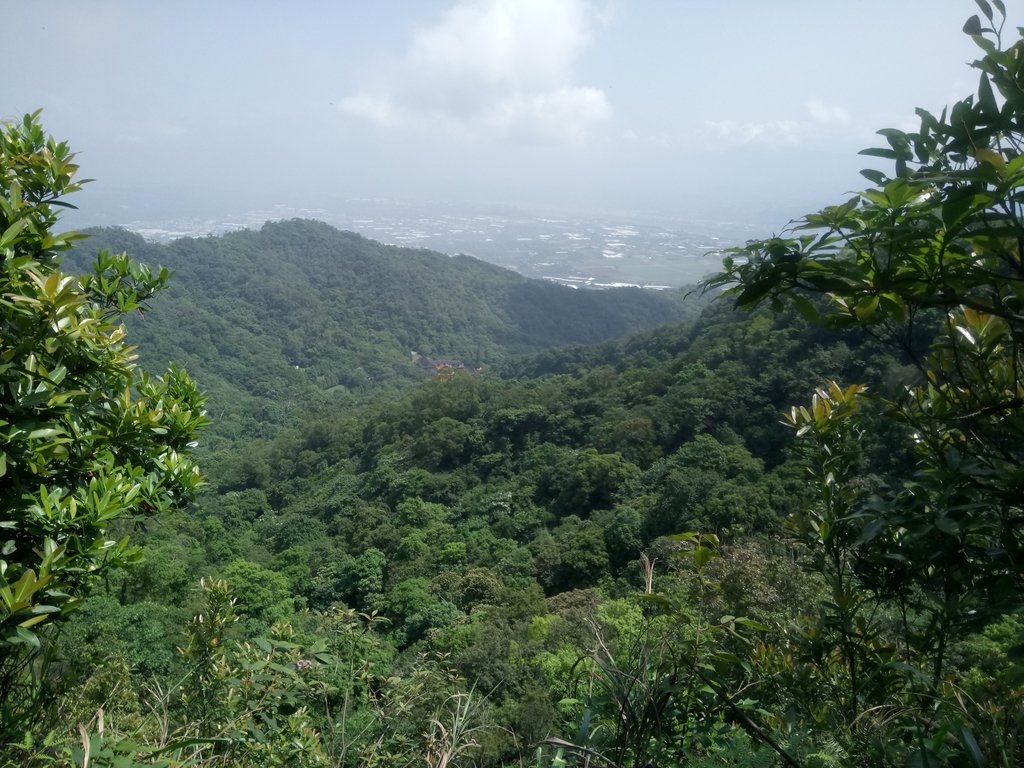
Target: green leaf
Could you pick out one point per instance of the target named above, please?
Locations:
(971, 747)
(986, 99)
(752, 624)
(756, 291)
(24, 636)
(38, 618)
(660, 601)
(702, 555)
(57, 375)
(874, 176)
(12, 232)
(878, 152)
(866, 307)
(806, 309)
(955, 208)
(871, 530)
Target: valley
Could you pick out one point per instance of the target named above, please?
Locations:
(380, 484)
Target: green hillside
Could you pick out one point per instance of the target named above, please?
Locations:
(785, 531)
(298, 316)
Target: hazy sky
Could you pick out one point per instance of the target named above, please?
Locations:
(683, 107)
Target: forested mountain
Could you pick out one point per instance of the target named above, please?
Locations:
(473, 508)
(486, 519)
(784, 536)
(298, 315)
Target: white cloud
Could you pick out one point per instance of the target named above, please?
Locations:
(562, 115)
(377, 108)
(494, 67)
(827, 114)
(783, 131)
(771, 131)
(505, 44)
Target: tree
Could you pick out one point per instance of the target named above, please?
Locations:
(263, 595)
(707, 486)
(929, 259)
(87, 438)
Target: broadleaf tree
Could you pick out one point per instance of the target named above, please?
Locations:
(86, 437)
(931, 260)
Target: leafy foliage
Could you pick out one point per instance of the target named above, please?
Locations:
(87, 438)
(638, 552)
(299, 317)
(936, 250)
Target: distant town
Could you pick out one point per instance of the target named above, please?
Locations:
(583, 251)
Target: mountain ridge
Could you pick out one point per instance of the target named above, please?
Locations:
(325, 315)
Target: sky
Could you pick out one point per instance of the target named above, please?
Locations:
(739, 109)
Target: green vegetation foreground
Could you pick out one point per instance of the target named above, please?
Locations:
(612, 556)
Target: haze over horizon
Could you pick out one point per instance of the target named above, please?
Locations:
(679, 109)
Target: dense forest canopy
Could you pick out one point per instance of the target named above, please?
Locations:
(278, 323)
(784, 536)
